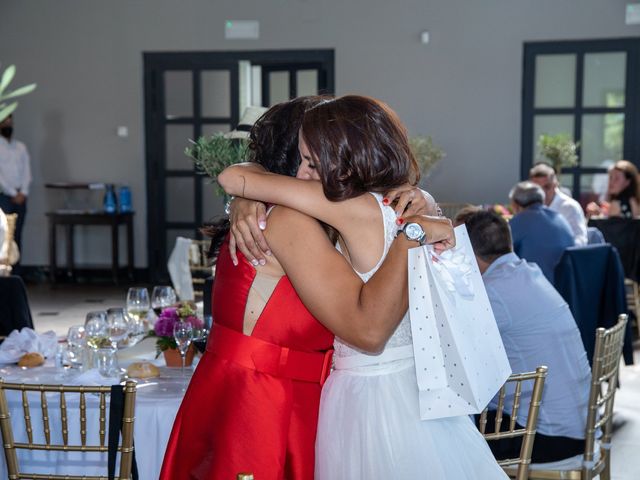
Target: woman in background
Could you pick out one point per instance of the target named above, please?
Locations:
(623, 193)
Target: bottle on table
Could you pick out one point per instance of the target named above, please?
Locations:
(110, 203)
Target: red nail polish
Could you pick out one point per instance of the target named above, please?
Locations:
(385, 201)
(400, 221)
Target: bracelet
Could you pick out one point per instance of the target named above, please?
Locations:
(227, 206)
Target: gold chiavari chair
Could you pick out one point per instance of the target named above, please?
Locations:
(604, 381)
(633, 299)
(513, 385)
(9, 253)
(11, 446)
(199, 265)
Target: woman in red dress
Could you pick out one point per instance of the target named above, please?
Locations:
(252, 405)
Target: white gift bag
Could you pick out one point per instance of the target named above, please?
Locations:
(460, 359)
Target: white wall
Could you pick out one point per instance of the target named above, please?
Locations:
(463, 88)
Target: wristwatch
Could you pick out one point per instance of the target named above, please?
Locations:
(414, 232)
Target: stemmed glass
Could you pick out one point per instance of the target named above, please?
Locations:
(138, 305)
(183, 334)
(117, 326)
(95, 328)
(162, 296)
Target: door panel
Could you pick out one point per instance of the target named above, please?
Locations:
(190, 94)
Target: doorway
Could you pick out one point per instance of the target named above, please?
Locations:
(194, 94)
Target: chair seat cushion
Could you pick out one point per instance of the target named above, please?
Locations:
(571, 463)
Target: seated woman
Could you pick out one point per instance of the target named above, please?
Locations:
(252, 404)
(623, 193)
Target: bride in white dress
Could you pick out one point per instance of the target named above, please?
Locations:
(369, 426)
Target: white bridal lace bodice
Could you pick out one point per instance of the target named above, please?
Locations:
(402, 335)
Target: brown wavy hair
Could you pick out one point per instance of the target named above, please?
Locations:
(361, 145)
(273, 143)
(630, 173)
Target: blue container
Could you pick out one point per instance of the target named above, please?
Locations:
(125, 199)
(110, 204)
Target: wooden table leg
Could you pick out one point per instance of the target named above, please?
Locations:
(130, 263)
(52, 251)
(115, 252)
(70, 261)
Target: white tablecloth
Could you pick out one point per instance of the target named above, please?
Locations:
(157, 403)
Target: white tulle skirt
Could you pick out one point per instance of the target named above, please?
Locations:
(370, 428)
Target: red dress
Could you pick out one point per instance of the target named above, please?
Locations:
(252, 404)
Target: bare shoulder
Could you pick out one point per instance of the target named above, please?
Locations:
(289, 228)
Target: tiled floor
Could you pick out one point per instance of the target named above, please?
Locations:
(57, 309)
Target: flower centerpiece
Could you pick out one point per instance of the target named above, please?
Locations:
(163, 330)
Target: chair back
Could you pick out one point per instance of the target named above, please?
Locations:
(199, 265)
(51, 430)
(604, 381)
(9, 254)
(591, 280)
(512, 431)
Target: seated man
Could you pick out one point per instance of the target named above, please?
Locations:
(540, 235)
(544, 175)
(537, 328)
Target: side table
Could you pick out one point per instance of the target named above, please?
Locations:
(69, 219)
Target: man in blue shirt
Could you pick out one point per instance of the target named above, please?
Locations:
(540, 235)
(537, 328)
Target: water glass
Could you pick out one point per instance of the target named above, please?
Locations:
(183, 334)
(138, 305)
(76, 342)
(107, 362)
(162, 296)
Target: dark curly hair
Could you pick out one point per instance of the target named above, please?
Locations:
(273, 143)
(362, 146)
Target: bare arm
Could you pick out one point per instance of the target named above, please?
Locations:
(251, 181)
(363, 314)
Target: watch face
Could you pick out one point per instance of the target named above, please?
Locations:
(413, 231)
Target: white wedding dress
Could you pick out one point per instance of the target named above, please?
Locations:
(369, 426)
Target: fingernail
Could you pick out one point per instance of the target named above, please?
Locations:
(385, 200)
(235, 263)
(262, 225)
(268, 252)
(254, 262)
(400, 221)
(263, 261)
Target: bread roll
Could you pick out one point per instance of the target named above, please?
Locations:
(32, 359)
(143, 370)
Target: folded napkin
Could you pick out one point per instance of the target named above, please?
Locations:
(93, 377)
(25, 341)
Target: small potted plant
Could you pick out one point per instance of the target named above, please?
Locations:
(163, 330)
(559, 149)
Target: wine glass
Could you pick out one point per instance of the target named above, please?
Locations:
(76, 343)
(162, 296)
(117, 326)
(183, 334)
(138, 305)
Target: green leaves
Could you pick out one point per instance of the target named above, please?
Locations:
(559, 149)
(5, 80)
(426, 153)
(213, 154)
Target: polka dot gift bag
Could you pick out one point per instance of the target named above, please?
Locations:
(460, 360)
